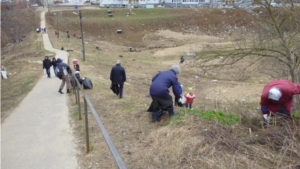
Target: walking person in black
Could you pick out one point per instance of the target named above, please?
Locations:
(46, 65)
(181, 59)
(118, 77)
(54, 64)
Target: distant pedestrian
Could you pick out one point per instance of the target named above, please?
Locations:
(54, 64)
(118, 77)
(181, 59)
(46, 65)
(65, 69)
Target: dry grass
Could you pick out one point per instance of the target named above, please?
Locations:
(23, 63)
(185, 141)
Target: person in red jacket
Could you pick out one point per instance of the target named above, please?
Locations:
(277, 98)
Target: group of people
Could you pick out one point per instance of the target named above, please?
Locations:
(276, 98)
(47, 63)
(44, 30)
(64, 69)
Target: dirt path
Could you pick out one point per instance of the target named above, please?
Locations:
(37, 134)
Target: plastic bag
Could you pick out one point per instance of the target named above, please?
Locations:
(182, 100)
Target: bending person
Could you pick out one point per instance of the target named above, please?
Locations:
(277, 98)
(159, 91)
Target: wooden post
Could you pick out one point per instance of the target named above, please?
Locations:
(83, 51)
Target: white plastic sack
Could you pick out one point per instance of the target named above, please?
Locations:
(4, 74)
(45, 71)
(65, 71)
(182, 100)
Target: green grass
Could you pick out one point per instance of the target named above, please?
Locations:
(296, 116)
(210, 115)
(228, 119)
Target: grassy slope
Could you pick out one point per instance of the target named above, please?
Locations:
(22, 60)
(186, 141)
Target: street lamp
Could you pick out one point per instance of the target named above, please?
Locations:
(57, 25)
(83, 52)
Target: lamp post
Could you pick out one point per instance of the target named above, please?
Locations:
(82, 40)
(57, 25)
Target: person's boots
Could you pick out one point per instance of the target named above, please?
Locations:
(171, 111)
(68, 91)
(60, 91)
(155, 117)
(121, 93)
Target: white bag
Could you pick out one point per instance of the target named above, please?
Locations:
(45, 71)
(65, 71)
(182, 100)
(4, 74)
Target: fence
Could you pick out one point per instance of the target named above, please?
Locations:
(87, 103)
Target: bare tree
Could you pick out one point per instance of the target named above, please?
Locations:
(274, 38)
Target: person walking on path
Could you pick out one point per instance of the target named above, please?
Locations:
(277, 98)
(118, 77)
(54, 64)
(159, 91)
(65, 70)
(46, 65)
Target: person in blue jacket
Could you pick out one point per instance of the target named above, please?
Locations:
(159, 91)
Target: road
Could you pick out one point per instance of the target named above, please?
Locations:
(37, 134)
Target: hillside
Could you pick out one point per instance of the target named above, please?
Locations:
(189, 140)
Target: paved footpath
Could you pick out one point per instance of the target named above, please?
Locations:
(37, 134)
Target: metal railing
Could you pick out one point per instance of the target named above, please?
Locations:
(87, 103)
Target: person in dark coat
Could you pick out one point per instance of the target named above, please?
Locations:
(54, 64)
(277, 98)
(77, 75)
(159, 91)
(181, 59)
(65, 69)
(46, 65)
(118, 77)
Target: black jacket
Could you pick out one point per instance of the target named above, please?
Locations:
(54, 63)
(47, 64)
(77, 67)
(117, 74)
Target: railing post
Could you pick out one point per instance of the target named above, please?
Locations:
(75, 92)
(86, 127)
(79, 106)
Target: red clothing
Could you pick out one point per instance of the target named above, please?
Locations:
(190, 97)
(288, 90)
